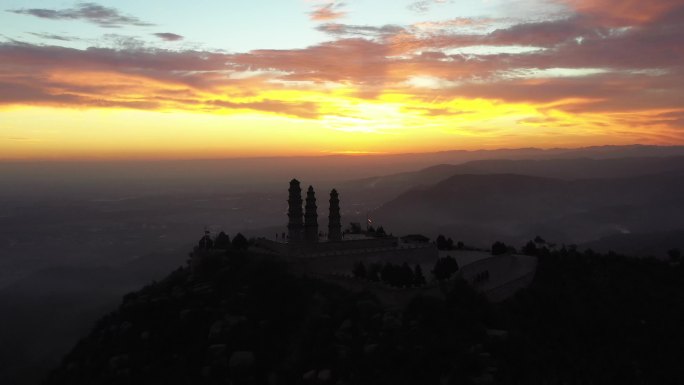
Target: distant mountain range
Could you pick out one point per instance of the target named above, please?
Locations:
(622, 196)
(126, 178)
(387, 187)
(655, 244)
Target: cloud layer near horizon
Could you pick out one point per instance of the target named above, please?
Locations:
(608, 63)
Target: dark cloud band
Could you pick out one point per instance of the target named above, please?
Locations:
(90, 12)
(168, 36)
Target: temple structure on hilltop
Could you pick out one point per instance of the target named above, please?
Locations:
(303, 228)
(334, 223)
(305, 240)
(295, 224)
(310, 252)
(310, 217)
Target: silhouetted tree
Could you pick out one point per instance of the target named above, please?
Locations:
(418, 277)
(482, 276)
(674, 254)
(394, 275)
(359, 270)
(205, 243)
(240, 242)
(460, 245)
(530, 249)
(415, 238)
(445, 268)
(374, 272)
(222, 241)
(405, 275)
(440, 271)
(388, 274)
(453, 265)
(441, 242)
(499, 248)
(354, 228)
(539, 240)
(380, 232)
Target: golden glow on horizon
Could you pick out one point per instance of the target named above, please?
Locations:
(313, 120)
(392, 123)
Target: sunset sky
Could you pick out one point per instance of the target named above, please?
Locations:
(151, 79)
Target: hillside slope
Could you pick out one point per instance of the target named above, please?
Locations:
(248, 320)
(517, 207)
(586, 318)
(384, 188)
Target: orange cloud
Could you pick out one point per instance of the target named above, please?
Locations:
(625, 12)
(328, 12)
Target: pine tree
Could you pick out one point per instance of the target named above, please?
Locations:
(418, 277)
(360, 271)
(240, 242)
(405, 275)
(222, 241)
(445, 268)
(374, 272)
(441, 242)
(499, 248)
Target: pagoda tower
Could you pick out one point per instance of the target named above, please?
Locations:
(334, 225)
(295, 224)
(310, 217)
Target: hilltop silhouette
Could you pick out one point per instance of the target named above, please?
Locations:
(249, 320)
